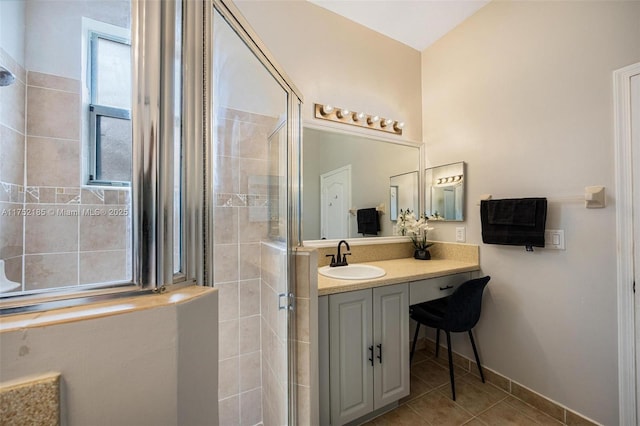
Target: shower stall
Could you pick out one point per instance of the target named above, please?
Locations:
(256, 140)
(81, 237)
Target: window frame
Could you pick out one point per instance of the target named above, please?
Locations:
(97, 110)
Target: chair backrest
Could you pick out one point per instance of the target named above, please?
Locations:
(465, 303)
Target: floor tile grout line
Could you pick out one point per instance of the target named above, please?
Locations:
(535, 408)
(420, 415)
(493, 405)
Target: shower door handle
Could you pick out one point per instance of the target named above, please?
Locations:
(288, 302)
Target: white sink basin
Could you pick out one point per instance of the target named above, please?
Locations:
(352, 272)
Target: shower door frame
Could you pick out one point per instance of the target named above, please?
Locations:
(240, 25)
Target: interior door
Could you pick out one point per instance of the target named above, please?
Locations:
(335, 190)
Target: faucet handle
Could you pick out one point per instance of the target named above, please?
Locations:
(333, 259)
(344, 258)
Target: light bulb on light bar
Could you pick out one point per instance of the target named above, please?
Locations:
(373, 119)
(358, 116)
(398, 126)
(342, 113)
(326, 109)
(386, 122)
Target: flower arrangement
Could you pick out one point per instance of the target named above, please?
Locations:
(417, 229)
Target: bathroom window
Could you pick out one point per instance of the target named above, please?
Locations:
(109, 110)
(60, 237)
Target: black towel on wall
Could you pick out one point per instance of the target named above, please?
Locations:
(514, 221)
(368, 221)
(518, 211)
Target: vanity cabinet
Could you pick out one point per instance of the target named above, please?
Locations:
(364, 340)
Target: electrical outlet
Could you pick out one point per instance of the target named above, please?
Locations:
(554, 239)
(461, 236)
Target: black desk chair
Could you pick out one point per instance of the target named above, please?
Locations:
(456, 313)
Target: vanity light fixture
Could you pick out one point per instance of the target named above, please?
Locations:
(449, 179)
(346, 116)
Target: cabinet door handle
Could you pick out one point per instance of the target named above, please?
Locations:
(371, 351)
(446, 288)
(380, 352)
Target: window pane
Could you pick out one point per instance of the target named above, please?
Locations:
(113, 74)
(58, 232)
(113, 143)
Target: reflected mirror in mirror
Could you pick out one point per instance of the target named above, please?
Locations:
(343, 172)
(403, 194)
(444, 192)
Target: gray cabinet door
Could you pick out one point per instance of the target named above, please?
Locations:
(391, 340)
(350, 342)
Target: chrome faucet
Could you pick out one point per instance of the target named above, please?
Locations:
(340, 261)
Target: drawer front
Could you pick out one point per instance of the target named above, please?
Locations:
(435, 288)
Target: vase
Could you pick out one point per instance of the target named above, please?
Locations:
(422, 254)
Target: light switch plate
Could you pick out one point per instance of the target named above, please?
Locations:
(461, 234)
(554, 239)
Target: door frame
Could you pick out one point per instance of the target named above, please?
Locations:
(627, 376)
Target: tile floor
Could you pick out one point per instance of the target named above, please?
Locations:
(476, 403)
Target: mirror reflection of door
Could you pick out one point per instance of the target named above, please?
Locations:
(406, 193)
(335, 190)
(449, 203)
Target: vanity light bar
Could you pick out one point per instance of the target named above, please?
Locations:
(346, 116)
(450, 179)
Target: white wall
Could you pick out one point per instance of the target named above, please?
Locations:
(12, 17)
(332, 60)
(53, 36)
(149, 367)
(522, 91)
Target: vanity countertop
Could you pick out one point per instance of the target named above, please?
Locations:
(398, 271)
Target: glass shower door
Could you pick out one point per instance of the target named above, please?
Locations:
(252, 111)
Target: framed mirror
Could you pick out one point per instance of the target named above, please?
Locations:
(346, 172)
(444, 192)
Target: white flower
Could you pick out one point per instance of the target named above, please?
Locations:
(417, 229)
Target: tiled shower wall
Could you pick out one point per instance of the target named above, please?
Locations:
(73, 235)
(247, 270)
